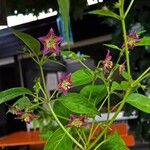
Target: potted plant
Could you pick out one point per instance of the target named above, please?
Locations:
(71, 116)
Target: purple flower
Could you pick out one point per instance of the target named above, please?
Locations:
(107, 63)
(132, 40)
(65, 83)
(51, 42)
(77, 121)
(25, 116)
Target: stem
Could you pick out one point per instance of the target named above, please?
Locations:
(147, 75)
(32, 56)
(103, 103)
(53, 113)
(115, 107)
(121, 9)
(54, 93)
(35, 105)
(108, 108)
(63, 128)
(126, 47)
(108, 104)
(100, 144)
(43, 82)
(128, 9)
(90, 134)
(80, 137)
(128, 69)
(141, 76)
(111, 121)
(93, 82)
(116, 66)
(62, 117)
(85, 66)
(37, 97)
(43, 91)
(83, 134)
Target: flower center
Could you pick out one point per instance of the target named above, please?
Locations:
(66, 85)
(26, 117)
(131, 40)
(77, 123)
(51, 42)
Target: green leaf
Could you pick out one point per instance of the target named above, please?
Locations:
(112, 46)
(139, 101)
(78, 104)
(64, 7)
(13, 93)
(125, 75)
(124, 85)
(46, 135)
(72, 55)
(105, 12)
(115, 142)
(68, 54)
(82, 77)
(58, 141)
(23, 103)
(29, 41)
(62, 111)
(116, 86)
(145, 41)
(96, 93)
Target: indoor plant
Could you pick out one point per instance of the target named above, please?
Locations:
(72, 122)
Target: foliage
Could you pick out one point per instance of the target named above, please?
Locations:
(71, 116)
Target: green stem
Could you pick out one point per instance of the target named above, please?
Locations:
(108, 107)
(111, 121)
(81, 138)
(116, 65)
(63, 128)
(32, 56)
(83, 134)
(108, 104)
(121, 8)
(100, 144)
(103, 103)
(43, 91)
(35, 105)
(85, 66)
(54, 93)
(91, 132)
(140, 78)
(62, 117)
(37, 97)
(128, 9)
(126, 48)
(147, 75)
(43, 82)
(53, 113)
(115, 107)
(93, 82)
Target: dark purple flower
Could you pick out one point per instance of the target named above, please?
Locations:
(132, 40)
(26, 116)
(77, 121)
(107, 63)
(51, 42)
(65, 83)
